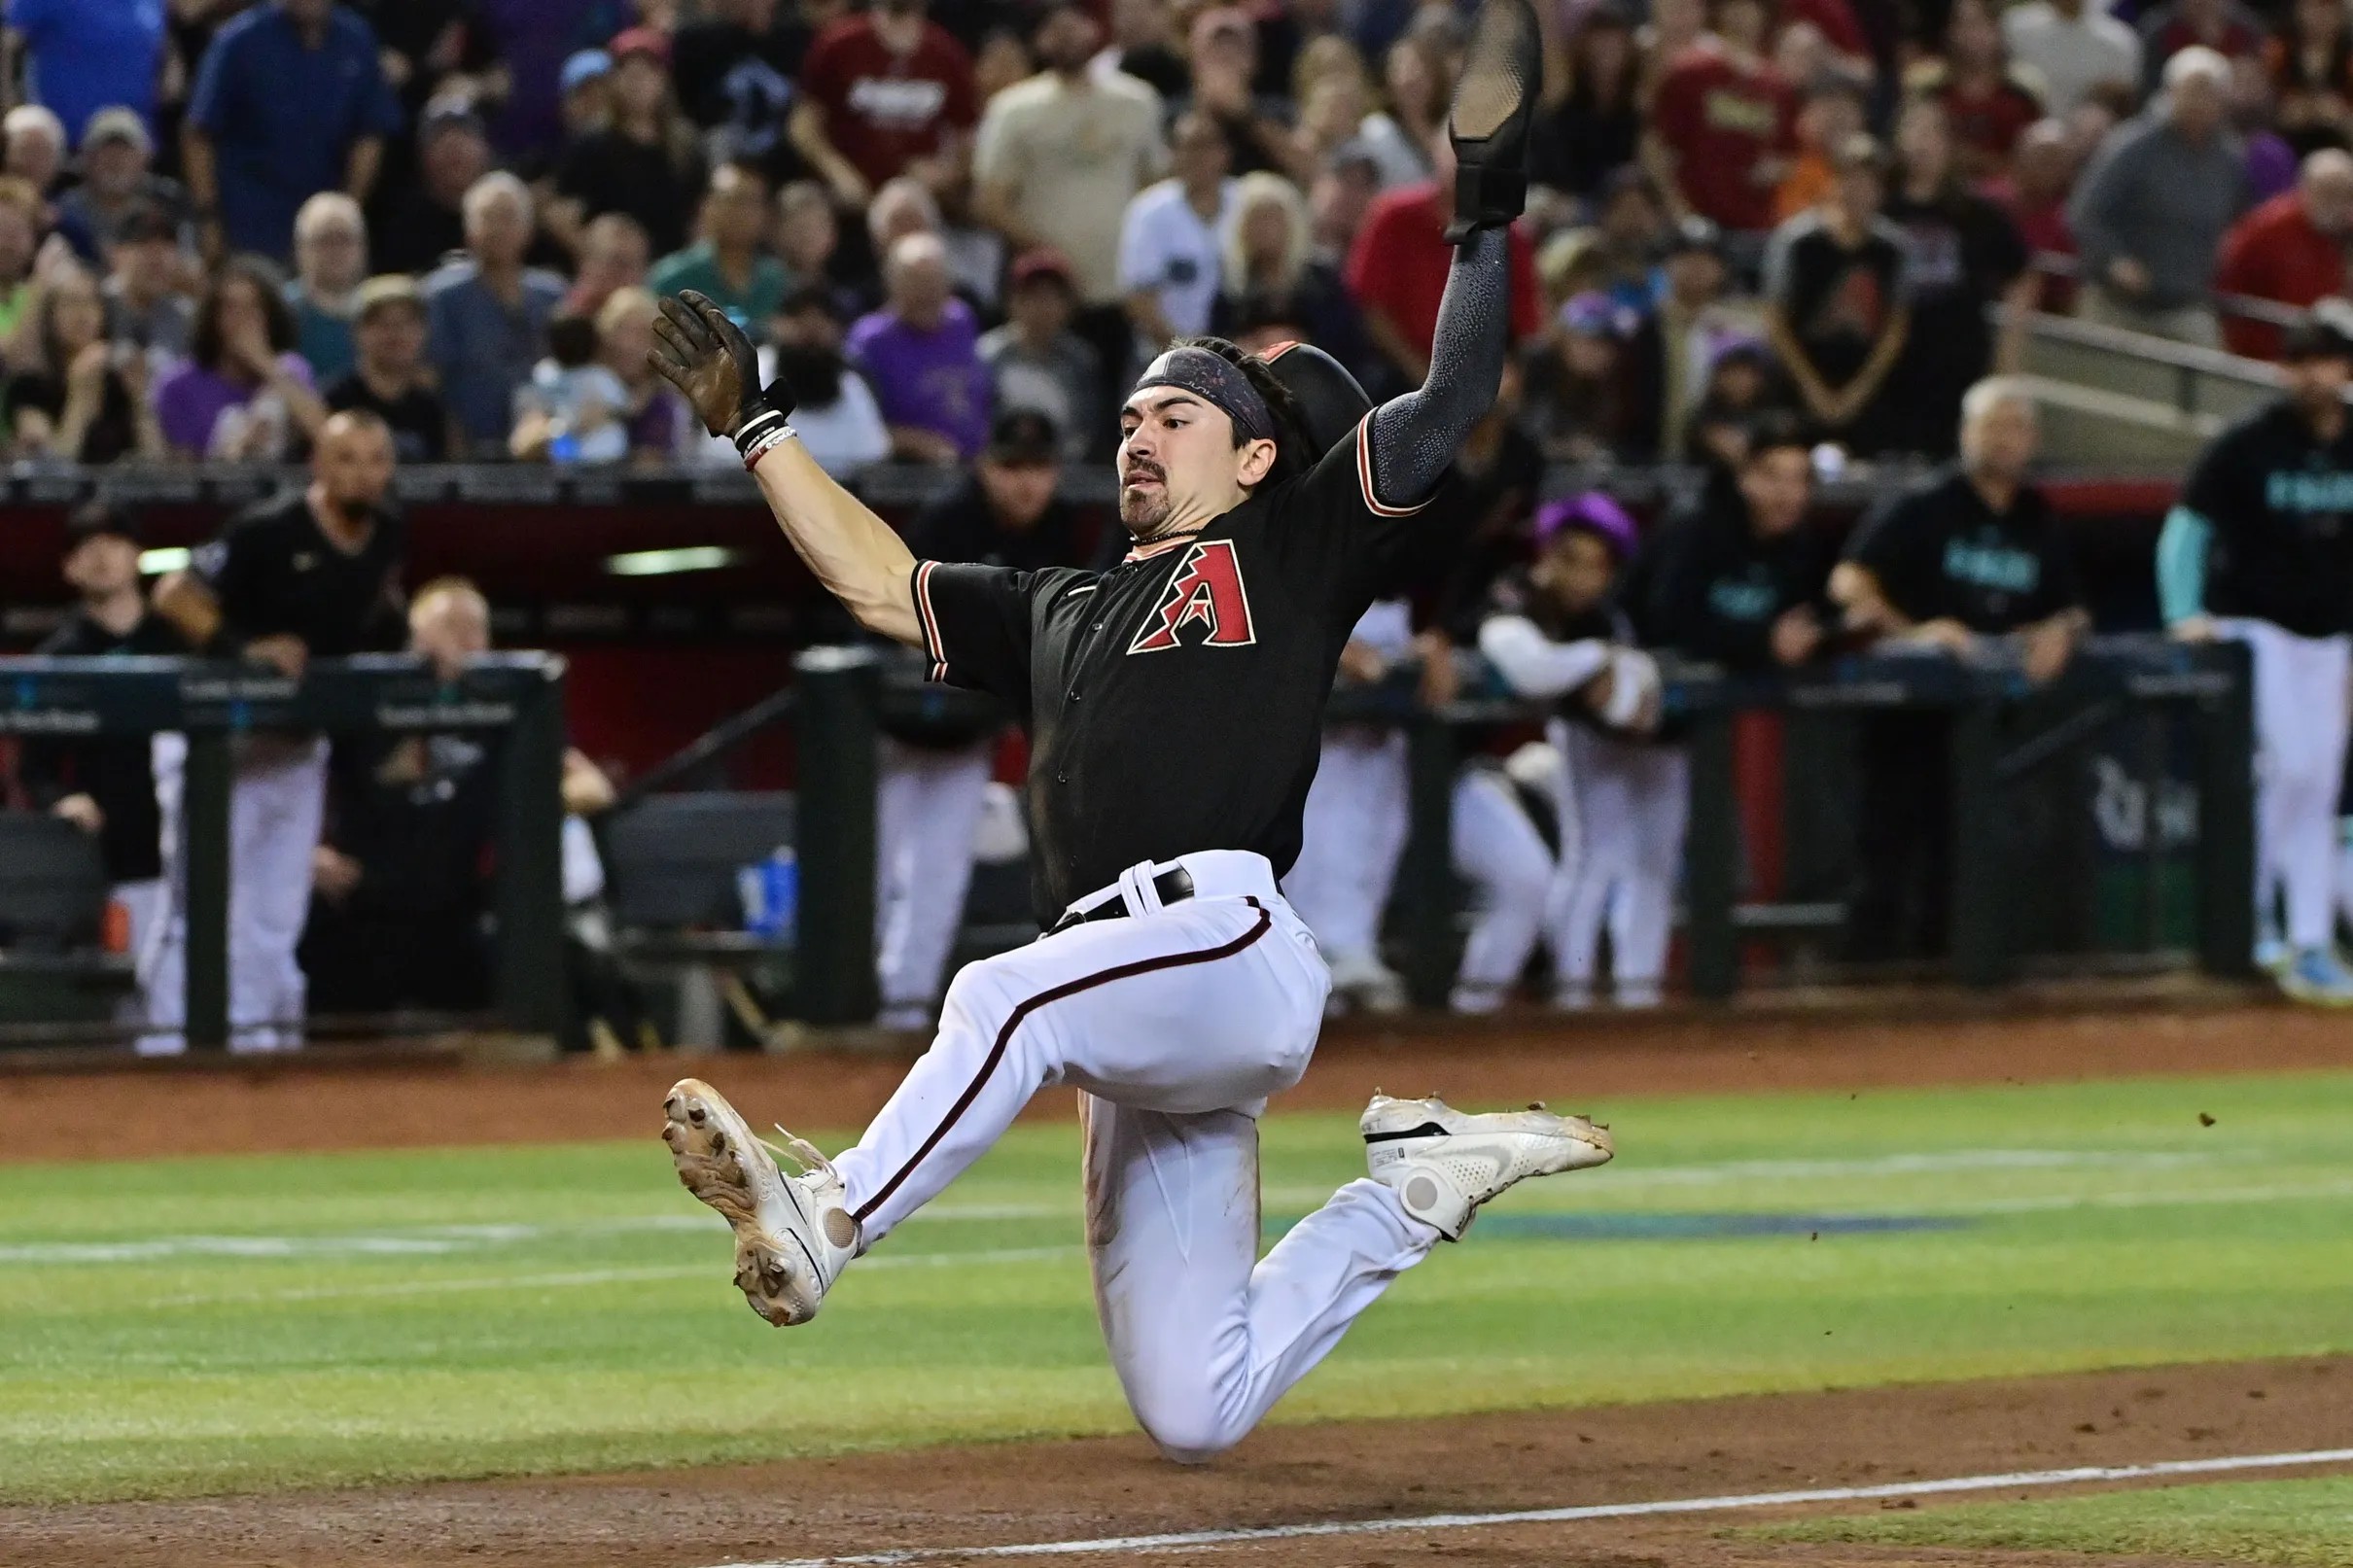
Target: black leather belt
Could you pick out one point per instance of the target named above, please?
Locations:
(1174, 886)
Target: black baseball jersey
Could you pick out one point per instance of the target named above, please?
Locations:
(1709, 586)
(273, 571)
(114, 769)
(1175, 702)
(1940, 552)
(2280, 502)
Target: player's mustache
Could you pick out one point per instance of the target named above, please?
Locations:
(1145, 469)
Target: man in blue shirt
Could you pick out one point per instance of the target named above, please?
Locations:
(289, 101)
(486, 314)
(85, 55)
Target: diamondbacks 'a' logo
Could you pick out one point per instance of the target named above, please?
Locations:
(1206, 593)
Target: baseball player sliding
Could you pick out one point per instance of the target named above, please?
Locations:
(1174, 706)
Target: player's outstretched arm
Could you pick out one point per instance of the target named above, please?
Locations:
(1415, 436)
(853, 553)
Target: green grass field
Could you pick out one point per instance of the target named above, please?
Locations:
(2296, 1523)
(225, 1324)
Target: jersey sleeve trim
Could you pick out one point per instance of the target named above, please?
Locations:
(1364, 475)
(926, 620)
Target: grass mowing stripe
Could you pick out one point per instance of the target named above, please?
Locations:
(1568, 1515)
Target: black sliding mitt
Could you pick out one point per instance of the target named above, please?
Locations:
(1494, 107)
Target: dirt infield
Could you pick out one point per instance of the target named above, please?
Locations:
(1024, 1494)
(318, 1103)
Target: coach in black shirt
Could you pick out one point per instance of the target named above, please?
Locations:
(107, 786)
(1740, 578)
(314, 573)
(1972, 554)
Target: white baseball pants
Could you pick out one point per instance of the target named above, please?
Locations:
(145, 903)
(276, 803)
(1177, 1023)
(926, 811)
(1511, 871)
(1351, 833)
(2302, 690)
(1624, 806)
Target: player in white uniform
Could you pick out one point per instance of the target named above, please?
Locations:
(1174, 705)
(2260, 549)
(1555, 635)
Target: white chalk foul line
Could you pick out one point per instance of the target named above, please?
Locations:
(1565, 1515)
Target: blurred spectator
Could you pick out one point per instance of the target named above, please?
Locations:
(1224, 59)
(645, 164)
(2042, 177)
(1059, 157)
(1335, 94)
(1740, 577)
(1834, 108)
(106, 787)
(1002, 60)
(884, 93)
(2151, 211)
(836, 415)
(289, 101)
(1144, 45)
(808, 240)
(427, 222)
(586, 102)
(2290, 251)
(2223, 26)
(1988, 104)
(1723, 123)
(1036, 363)
(729, 263)
(144, 305)
(1269, 269)
(2311, 67)
(243, 395)
(391, 379)
(1576, 393)
(2270, 161)
(1666, 359)
(652, 412)
(331, 263)
(1623, 246)
(1742, 386)
(1397, 271)
(20, 247)
(1285, 34)
(487, 314)
(1972, 553)
(1964, 255)
(920, 353)
(1596, 127)
(614, 255)
(115, 181)
(87, 401)
(85, 55)
(1338, 203)
(572, 411)
(1835, 306)
(1417, 78)
(1171, 237)
(906, 205)
(428, 48)
(734, 68)
(35, 146)
(2072, 46)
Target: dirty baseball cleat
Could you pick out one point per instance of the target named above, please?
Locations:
(793, 1234)
(1443, 1162)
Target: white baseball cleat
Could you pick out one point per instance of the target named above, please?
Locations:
(794, 1234)
(1443, 1162)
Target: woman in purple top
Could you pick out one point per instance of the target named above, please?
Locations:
(245, 395)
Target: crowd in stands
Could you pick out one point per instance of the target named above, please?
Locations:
(458, 213)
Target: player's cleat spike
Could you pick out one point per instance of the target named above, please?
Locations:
(1494, 107)
(793, 1234)
(1443, 1162)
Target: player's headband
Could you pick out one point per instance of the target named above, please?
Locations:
(1215, 381)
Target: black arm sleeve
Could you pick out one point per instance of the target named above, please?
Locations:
(1414, 434)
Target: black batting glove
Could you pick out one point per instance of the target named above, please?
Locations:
(715, 367)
